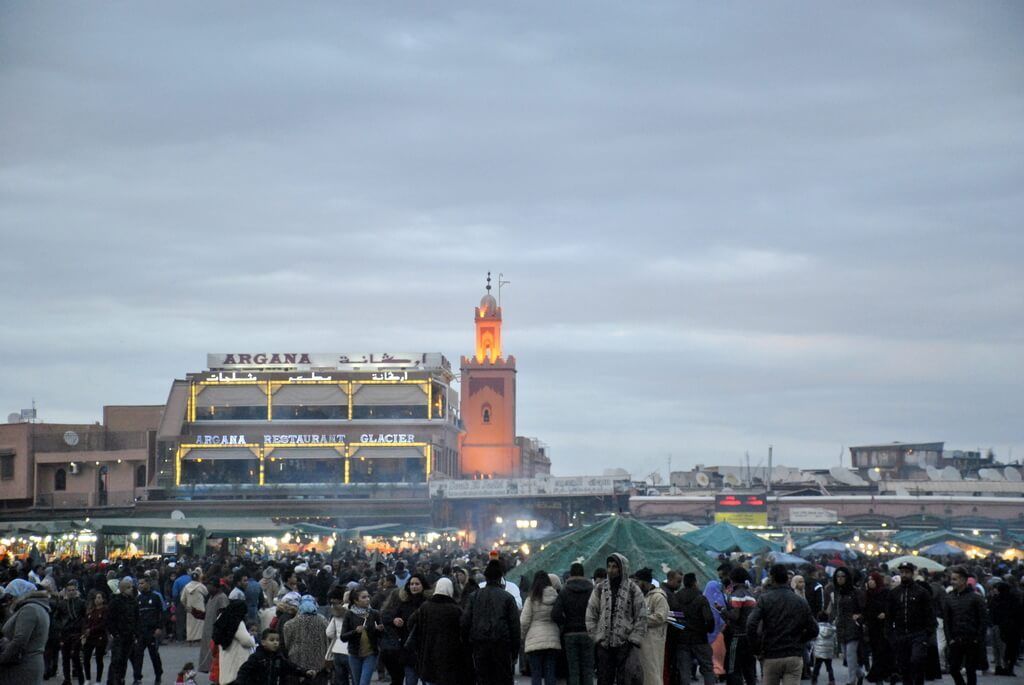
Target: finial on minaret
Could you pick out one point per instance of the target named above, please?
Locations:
(488, 281)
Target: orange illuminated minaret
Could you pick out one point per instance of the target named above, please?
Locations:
(488, 406)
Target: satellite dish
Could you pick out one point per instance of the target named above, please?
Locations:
(990, 474)
(71, 438)
(1011, 474)
(732, 480)
(874, 476)
(846, 476)
(950, 473)
(933, 473)
(14, 418)
(177, 515)
(702, 479)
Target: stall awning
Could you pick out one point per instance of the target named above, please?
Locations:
(397, 452)
(218, 453)
(232, 396)
(397, 394)
(305, 453)
(311, 396)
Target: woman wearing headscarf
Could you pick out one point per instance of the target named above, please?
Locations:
(847, 610)
(715, 595)
(216, 603)
(193, 599)
(233, 639)
(440, 656)
(541, 635)
(875, 600)
(306, 636)
(27, 629)
(287, 609)
(401, 663)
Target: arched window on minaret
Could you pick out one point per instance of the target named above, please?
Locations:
(486, 413)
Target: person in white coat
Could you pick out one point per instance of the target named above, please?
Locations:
(341, 675)
(541, 635)
(234, 639)
(193, 599)
(652, 649)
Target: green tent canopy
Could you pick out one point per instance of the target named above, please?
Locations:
(641, 544)
(725, 537)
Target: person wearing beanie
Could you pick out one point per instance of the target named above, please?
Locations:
(490, 625)
(740, 663)
(616, 620)
(436, 627)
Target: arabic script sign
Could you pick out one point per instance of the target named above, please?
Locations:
(342, 361)
(542, 486)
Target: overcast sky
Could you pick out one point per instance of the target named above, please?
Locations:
(725, 225)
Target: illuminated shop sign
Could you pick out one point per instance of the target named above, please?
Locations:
(342, 361)
(388, 438)
(306, 439)
(294, 439)
(741, 510)
(291, 439)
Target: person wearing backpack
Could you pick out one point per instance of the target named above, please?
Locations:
(698, 623)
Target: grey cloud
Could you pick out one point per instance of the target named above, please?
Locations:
(731, 225)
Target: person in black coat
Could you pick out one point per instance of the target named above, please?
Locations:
(435, 628)
(70, 614)
(122, 624)
(491, 625)
(570, 613)
(400, 660)
(910, 623)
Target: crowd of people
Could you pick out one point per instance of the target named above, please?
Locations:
(454, 619)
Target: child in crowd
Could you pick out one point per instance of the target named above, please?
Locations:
(187, 674)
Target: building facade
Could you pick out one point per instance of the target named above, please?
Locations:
(266, 424)
(51, 467)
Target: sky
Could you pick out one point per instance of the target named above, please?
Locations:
(725, 225)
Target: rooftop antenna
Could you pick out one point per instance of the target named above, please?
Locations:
(500, 284)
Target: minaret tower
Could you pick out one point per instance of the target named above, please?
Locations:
(488, 404)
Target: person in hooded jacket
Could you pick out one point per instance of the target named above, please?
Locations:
(541, 638)
(847, 609)
(876, 599)
(193, 602)
(616, 620)
(570, 612)
(25, 634)
(652, 650)
(440, 657)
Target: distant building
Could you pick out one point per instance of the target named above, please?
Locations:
(68, 467)
(897, 459)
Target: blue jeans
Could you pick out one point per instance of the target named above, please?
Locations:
(362, 668)
(411, 676)
(542, 666)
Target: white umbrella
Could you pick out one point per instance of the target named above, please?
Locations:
(918, 562)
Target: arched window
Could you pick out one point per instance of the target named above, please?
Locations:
(60, 480)
(140, 476)
(487, 413)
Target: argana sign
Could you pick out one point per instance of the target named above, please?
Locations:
(543, 486)
(340, 361)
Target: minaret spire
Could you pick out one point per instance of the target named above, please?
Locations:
(488, 282)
